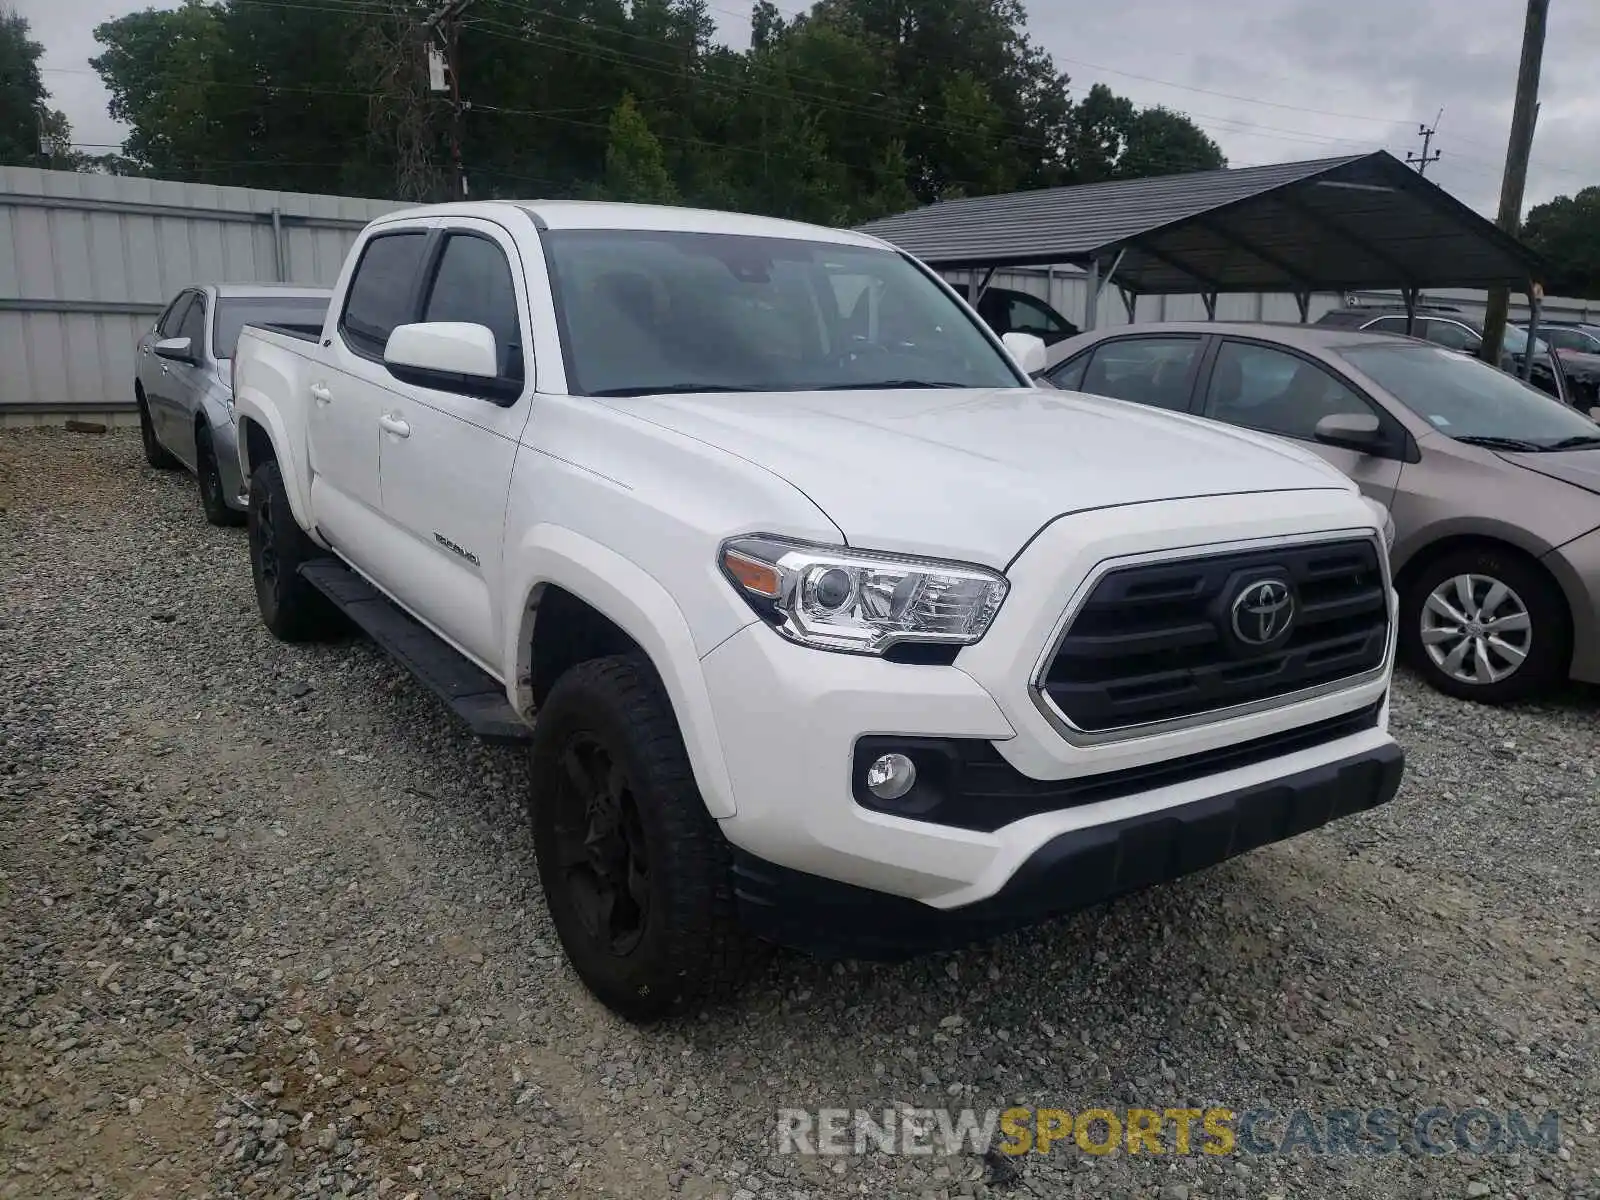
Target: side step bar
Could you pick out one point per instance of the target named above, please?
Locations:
(470, 693)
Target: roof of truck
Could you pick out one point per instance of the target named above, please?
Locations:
(593, 214)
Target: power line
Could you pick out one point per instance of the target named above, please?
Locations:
(1321, 112)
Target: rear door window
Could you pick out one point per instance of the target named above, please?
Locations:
(1158, 371)
(1449, 334)
(1069, 375)
(380, 291)
(1390, 325)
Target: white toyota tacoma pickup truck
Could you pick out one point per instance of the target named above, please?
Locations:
(838, 632)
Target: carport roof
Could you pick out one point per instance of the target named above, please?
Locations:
(1331, 224)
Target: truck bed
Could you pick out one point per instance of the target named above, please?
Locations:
(305, 332)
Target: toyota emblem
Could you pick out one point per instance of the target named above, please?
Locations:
(1263, 612)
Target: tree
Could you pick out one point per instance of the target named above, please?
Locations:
(161, 68)
(848, 110)
(636, 168)
(1566, 233)
(22, 92)
(1112, 139)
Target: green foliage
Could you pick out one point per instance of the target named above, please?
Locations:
(636, 168)
(30, 131)
(1566, 232)
(853, 109)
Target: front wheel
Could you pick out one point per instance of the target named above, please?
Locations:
(636, 874)
(1486, 624)
(290, 607)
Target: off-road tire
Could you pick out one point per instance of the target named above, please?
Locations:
(290, 607)
(691, 950)
(208, 476)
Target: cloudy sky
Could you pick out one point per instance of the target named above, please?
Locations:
(1270, 80)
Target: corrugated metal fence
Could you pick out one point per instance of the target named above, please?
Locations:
(87, 261)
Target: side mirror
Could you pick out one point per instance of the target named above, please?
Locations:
(1027, 349)
(448, 356)
(177, 349)
(1360, 432)
(1594, 413)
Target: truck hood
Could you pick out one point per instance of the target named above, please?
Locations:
(973, 474)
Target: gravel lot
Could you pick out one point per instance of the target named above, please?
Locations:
(271, 929)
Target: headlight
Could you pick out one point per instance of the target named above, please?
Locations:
(859, 601)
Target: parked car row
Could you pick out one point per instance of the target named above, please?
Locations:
(182, 385)
(1494, 487)
(1450, 328)
(1577, 345)
(839, 631)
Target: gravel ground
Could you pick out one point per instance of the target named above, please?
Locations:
(271, 929)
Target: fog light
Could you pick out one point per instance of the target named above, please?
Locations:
(891, 776)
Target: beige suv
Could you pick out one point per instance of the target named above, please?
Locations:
(1494, 486)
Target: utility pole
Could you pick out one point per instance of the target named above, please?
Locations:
(444, 31)
(1425, 132)
(1524, 114)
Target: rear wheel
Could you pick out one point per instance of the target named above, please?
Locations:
(1486, 624)
(637, 876)
(290, 607)
(213, 496)
(154, 453)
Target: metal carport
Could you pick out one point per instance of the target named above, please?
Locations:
(1334, 224)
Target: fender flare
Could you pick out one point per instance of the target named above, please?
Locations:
(290, 465)
(638, 605)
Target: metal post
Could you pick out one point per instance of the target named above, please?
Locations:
(1091, 295)
(279, 258)
(1535, 304)
(1409, 296)
(1130, 301)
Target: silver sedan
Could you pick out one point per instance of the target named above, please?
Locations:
(182, 384)
(1494, 487)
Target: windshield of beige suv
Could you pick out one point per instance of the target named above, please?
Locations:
(1471, 401)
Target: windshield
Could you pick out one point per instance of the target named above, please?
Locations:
(646, 311)
(234, 314)
(1465, 398)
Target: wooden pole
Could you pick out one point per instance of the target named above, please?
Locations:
(1523, 116)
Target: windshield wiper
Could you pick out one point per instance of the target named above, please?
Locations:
(1501, 443)
(672, 389)
(884, 384)
(1576, 442)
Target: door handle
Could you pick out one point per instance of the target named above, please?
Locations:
(321, 394)
(394, 425)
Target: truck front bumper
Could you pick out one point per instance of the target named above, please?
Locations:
(798, 728)
(1070, 871)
